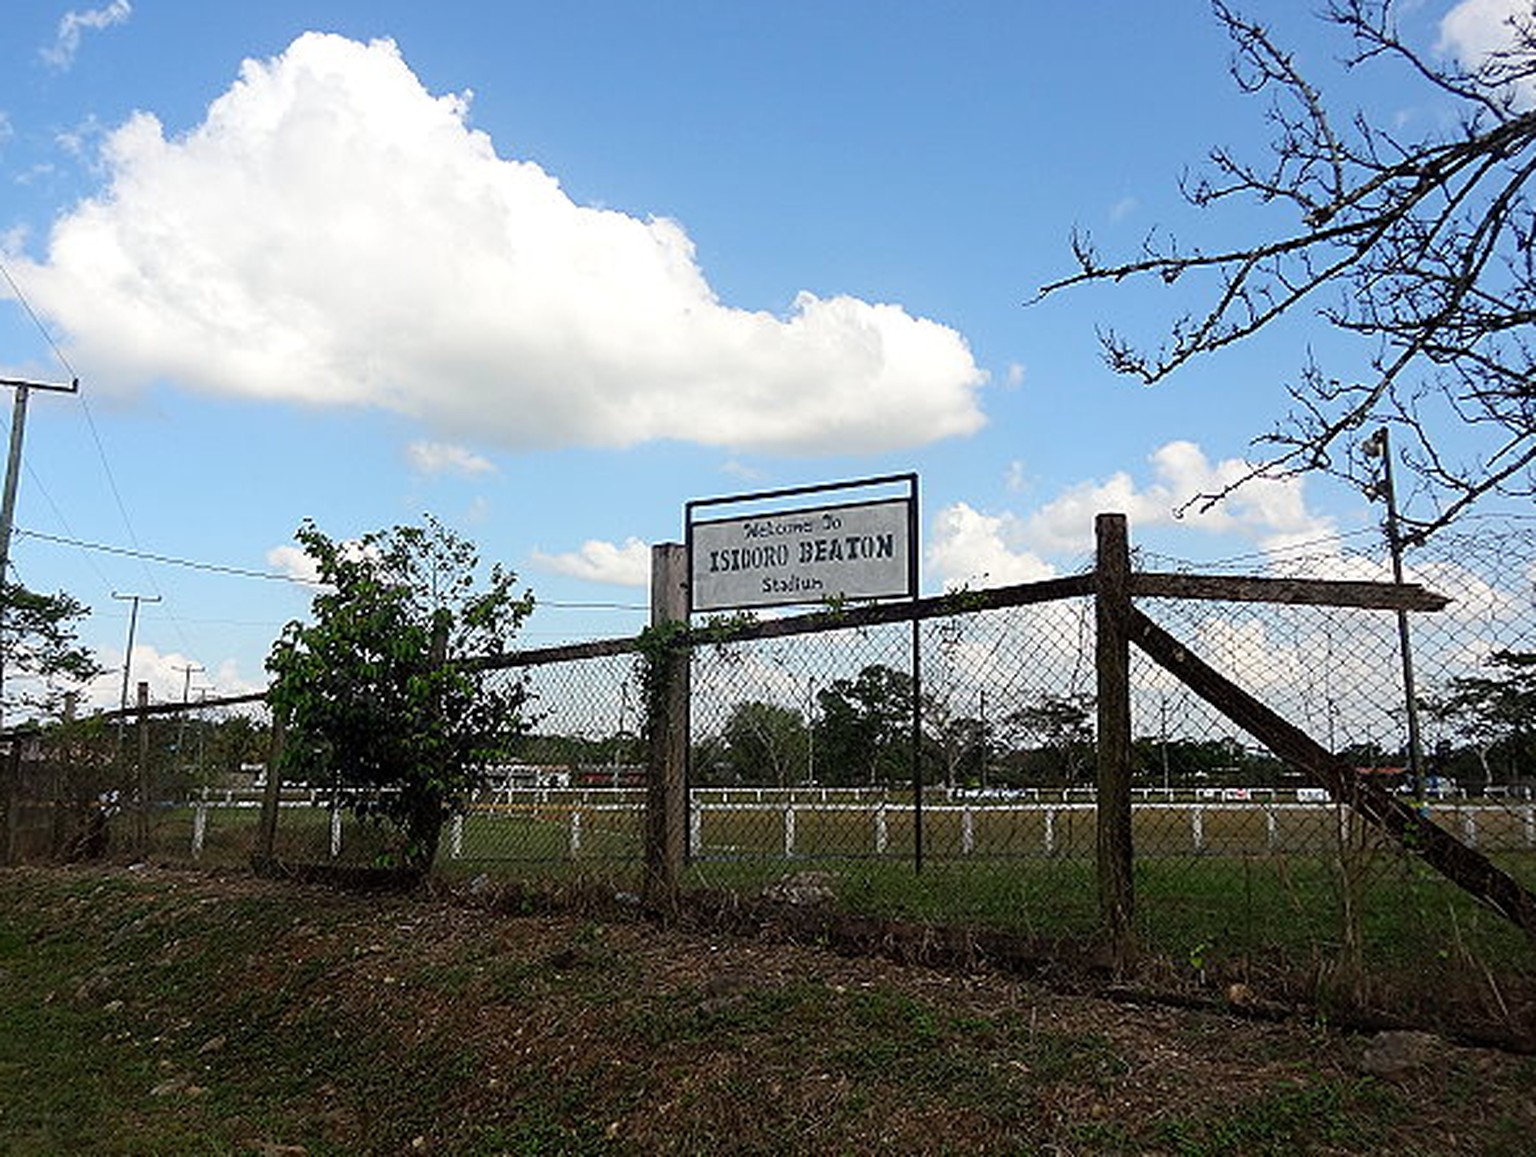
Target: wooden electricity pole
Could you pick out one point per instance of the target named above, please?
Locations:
(12, 475)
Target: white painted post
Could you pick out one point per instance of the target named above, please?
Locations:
(199, 828)
(456, 837)
(1271, 828)
(695, 829)
(882, 830)
(335, 832)
(575, 831)
(1197, 827)
(967, 831)
(789, 831)
(1530, 825)
(1469, 825)
(1050, 831)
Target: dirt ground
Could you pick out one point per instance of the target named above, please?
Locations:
(224, 1013)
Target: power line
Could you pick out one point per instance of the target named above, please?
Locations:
(106, 467)
(37, 321)
(42, 488)
(101, 453)
(273, 576)
(165, 559)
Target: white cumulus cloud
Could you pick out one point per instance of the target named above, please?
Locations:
(981, 549)
(332, 233)
(1474, 31)
(446, 458)
(61, 53)
(168, 678)
(603, 562)
(1271, 512)
(294, 563)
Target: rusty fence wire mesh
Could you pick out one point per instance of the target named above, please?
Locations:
(804, 748)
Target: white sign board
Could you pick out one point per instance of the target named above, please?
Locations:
(861, 551)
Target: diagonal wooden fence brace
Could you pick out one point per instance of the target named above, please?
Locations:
(1465, 867)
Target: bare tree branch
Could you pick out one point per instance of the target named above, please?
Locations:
(1423, 249)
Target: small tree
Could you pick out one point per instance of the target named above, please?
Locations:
(963, 745)
(379, 705)
(39, 650)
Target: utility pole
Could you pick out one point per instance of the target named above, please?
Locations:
(202, 732)
(133, 623)
(810, 730)
(1162, 742)
(618, 736)
(186, 692)
(12, 475)
(1378, 446)
(986, 740)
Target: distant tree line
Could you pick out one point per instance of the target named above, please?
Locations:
(860, 735)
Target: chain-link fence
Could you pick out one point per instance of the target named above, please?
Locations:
(982, 808)
(573, 792)
(1239, 854)
(169, 779)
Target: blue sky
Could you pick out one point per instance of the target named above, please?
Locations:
(550, 271)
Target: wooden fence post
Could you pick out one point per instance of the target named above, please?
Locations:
(266, 831)
(1112, 655)
(666, 796)
(10, 768)
(144, 785)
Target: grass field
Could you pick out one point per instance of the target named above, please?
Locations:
(1223, 890)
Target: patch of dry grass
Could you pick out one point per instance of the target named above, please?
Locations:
(174, 1012)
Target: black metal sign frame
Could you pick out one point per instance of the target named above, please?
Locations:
(792, 595)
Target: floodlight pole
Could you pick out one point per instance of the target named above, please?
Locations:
(1378, 445)
(12, 476)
